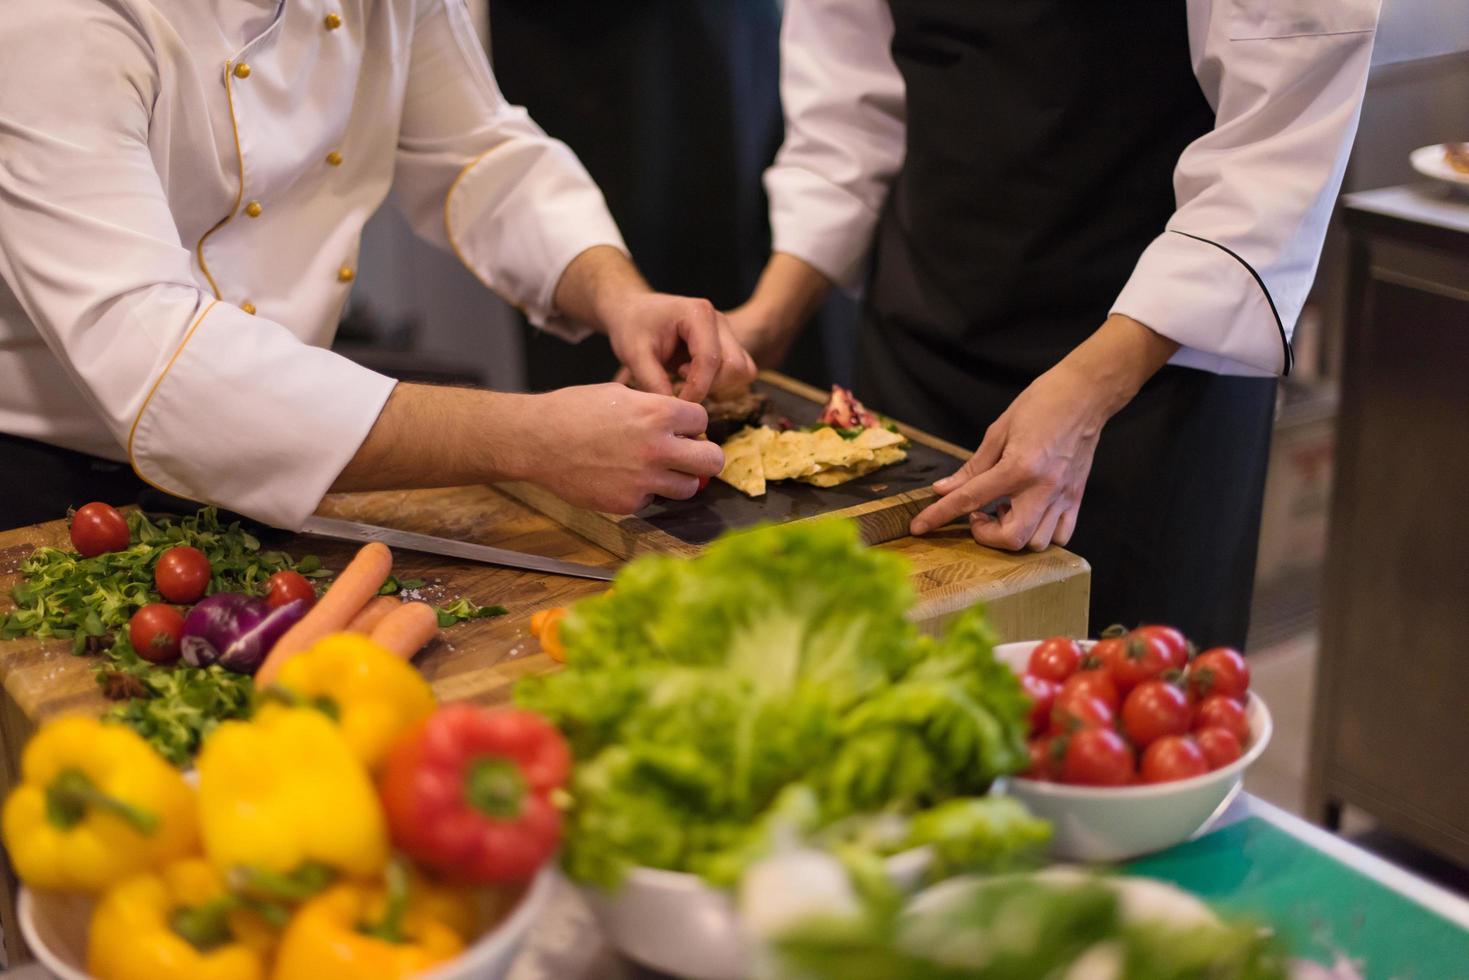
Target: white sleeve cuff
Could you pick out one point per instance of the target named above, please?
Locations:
(820, 223)
(519, 215)
(1211, 302)
(250, 418)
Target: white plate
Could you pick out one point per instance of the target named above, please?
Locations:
(1429, 161)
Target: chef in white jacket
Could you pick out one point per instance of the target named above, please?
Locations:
(183, 184)
(1085, 232)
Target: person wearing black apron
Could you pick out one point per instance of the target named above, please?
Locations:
(1085, 232)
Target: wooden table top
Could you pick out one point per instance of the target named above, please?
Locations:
(1028, 594)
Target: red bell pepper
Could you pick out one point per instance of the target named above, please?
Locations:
(471, 793)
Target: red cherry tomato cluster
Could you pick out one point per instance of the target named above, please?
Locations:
(1139, 707)
(181, 576)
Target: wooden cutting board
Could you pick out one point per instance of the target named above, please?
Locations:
(882, 503)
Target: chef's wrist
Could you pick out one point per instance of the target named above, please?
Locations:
(1115, 362)
(518, 450)
(599, 288)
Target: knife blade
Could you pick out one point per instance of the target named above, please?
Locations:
(331, 527)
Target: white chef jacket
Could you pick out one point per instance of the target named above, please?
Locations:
(1228, 277)
(183, 184)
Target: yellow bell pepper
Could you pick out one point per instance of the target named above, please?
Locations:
(284, 793)
(95, 805)
(374, 694)
(177, 924)
(356, 932)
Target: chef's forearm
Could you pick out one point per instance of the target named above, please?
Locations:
(596, 284)
(429, 436)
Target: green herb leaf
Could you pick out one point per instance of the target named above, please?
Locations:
(462, 610)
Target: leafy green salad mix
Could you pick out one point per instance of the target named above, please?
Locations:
(90, 600)
(776, 685)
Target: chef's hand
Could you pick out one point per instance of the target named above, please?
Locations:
(655, 335)
(613, 449)
(1035, 458)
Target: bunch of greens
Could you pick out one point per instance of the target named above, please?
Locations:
(1017, 927)
(174, 708)
(775, 678)
(63, 594)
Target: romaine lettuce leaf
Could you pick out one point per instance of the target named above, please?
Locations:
(698, 692)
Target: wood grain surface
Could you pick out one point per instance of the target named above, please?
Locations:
(1028, 595)
(881, 503)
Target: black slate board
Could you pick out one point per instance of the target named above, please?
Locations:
(720, 507)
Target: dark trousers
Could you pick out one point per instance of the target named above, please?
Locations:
(39, 482)
(1171, 518)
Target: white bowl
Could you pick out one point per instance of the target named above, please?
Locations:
(1092, 823)
(55, 928)
(675, 923)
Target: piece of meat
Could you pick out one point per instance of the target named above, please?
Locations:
(844, 411)
(729, 414)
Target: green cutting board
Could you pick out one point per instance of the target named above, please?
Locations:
(1322, 907)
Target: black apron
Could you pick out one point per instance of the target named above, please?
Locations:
(38, 482)
(673, 106)
(1041, 141)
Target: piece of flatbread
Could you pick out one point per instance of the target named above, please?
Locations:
(744, 467)
(792, 454)
(878, 439)
(754, 457)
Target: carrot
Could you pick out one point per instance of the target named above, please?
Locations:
(545, 626)
(407, 629)
(357, 583)
(373, 613)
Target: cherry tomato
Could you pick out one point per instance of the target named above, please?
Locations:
(703, 484)
(1042, 694)
(1173, 757)
(1154, 709)
(1132, 659)
(98, 528)
(1097, 683)
(1097, 757)
(1219, 746)
(1078, 710)
(288, 586)
(155, 631)
(1173, 639)
(1219, 711)
(1042, 759)
(182, 574)
(1219, 671)
(1055, 659)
